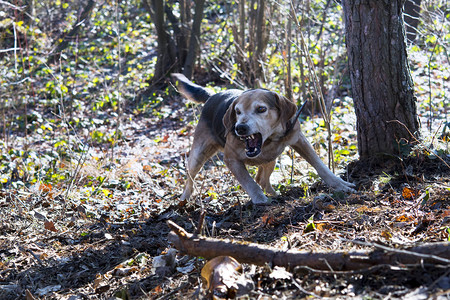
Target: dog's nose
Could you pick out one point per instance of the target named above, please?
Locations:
(242, 129)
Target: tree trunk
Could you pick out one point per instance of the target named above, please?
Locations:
(194, 39)
(173, 32)
(166, 52)
(382, 86)
(261, 41)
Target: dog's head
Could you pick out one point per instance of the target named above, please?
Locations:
(256, 116)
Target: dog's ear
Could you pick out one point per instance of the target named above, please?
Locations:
(286, 107)
(229, 119)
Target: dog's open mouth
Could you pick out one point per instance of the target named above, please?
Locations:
(253, 144)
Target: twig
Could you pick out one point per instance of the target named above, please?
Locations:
(80, 162)
(315, 83)
(12, 6)
(401, 251)
(15, 48)
(437, 280)
(20, 81)
(63, 41)
(201, 220)
(32, 253)
(298, 285)
(169, 294)
(179, 231)
(10, 49)
(119, 81)
(419, 200)
(412, 135)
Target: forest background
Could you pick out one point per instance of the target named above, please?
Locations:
(94, 139)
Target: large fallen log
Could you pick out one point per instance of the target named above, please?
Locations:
(245, 252)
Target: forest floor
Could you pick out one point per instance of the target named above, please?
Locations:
(91, 172)
(106, 238)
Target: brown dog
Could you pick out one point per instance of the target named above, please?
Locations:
(251, 128)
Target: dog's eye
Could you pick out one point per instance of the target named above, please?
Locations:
(238, 112)
(261, 109)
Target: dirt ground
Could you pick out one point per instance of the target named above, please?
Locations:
(56, 244)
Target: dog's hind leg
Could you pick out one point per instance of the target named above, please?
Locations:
(202, 149)
(263, 178)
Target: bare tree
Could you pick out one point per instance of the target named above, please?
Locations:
(252, 40)
(178, 39)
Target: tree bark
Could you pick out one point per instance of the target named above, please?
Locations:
(244, 252)
(194, 39)
(174, 53)
(166, 52)
(382, 86)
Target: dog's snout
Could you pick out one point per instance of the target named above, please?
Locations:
(242, 129)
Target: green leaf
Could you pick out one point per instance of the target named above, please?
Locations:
(310, 227)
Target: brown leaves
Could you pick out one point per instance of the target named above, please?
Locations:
(268, 219)
(147, 168)
(404, 218)
(224, 279)
(45, 187)
(408, 193)
(368, 210)
(49, 225)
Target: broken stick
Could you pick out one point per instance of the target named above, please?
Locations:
(245, 252)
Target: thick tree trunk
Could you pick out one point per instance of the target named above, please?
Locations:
(382, 86)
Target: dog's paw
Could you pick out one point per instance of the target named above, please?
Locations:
(271, 192)
(186, 196)
(343, 186)
(261, 200)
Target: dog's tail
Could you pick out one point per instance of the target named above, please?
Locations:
(191, 90)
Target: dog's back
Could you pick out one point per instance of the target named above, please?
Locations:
(215, 104)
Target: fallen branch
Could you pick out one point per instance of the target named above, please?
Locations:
(245, 252)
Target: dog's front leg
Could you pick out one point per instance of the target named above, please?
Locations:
(304, 148)
(263, 177)
(250, 186)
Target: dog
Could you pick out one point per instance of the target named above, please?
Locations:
(250, 127)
